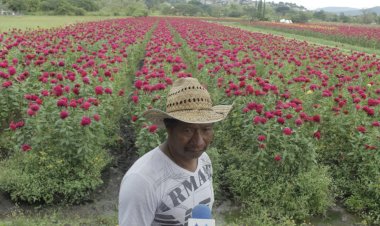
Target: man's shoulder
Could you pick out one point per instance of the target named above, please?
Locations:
(205, 159)
(148, 165)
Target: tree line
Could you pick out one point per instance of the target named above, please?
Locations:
(256, 10)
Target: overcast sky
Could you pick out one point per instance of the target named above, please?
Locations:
(314, 4)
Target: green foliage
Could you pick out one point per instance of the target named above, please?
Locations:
(355, 168)
(299, 17)
(218, 169)
(65, 8)
(146, 141)
(294, 186)
(47, 176)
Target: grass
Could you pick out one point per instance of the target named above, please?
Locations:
(318, 41)
(58, 219)
(33, 22)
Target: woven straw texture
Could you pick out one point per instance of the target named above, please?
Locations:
(190, 102)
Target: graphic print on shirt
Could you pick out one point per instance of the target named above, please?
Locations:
(187, 192)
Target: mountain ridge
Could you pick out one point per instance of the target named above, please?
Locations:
(349, 11)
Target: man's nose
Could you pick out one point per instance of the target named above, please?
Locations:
(197, 139)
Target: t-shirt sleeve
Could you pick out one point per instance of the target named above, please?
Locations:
(137, 204)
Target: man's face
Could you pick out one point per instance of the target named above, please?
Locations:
(188, 141)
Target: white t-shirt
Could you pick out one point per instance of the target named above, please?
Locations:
(156, 191)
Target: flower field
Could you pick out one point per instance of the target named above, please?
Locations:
(366, 36)
(304, 130)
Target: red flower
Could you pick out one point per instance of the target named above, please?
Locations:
(63, 114)
(7, 84)
(138, 84)
(108, 90)
(298, 121)
(121, 92)
(45, 93)
(13, 126)
(376, 124)
(135, 99)
(261, 138)
(34, 107)
(317, 118)
(152, 128)
(30, 112)
(85, 121)
(62, 102)
(86, 105)
(96, 117)
(287, 131)
(317, 135)
(73, 103)
(281, 120)
(12, 70)
(277, 158)
(98, 90)
(361, 129)
(134, 118)
(26, 147)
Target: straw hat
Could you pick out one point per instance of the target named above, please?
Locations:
(188, 101)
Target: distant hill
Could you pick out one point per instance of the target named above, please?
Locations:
(349, 11)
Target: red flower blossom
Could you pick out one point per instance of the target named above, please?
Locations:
(281, 120)
(361, 129)
(62, 102)
(287, 131)
(277, 158)
(63, 114)
(376, 124)
(30, 112)
(85, 121)
(98, 90)
(152, 128)
(134, 118)
(135, 99)
(96, 117)
(261, 138)
(11, 70)
(26, 147)
(86, 105)
(317, 118)
(34, 107)
(7, 84)
(108, 90)
(138, 84)
(317, 135)
(298, 122)
(13, 126)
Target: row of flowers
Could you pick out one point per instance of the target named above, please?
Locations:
(62, 95)
(291, 95)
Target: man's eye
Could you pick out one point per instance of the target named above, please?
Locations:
(207, 129)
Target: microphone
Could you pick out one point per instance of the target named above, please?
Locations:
(201, 216)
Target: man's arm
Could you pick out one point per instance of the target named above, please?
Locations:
(137, 203)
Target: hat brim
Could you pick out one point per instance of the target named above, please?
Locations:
(215, 114)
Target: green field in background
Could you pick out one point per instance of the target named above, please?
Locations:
(33, 22)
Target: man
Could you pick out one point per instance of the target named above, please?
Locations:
(163, 186)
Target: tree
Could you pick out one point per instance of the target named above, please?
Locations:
(16, 5)
(282, 9)
(299, 17)
(320, 15)
(344, 18)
